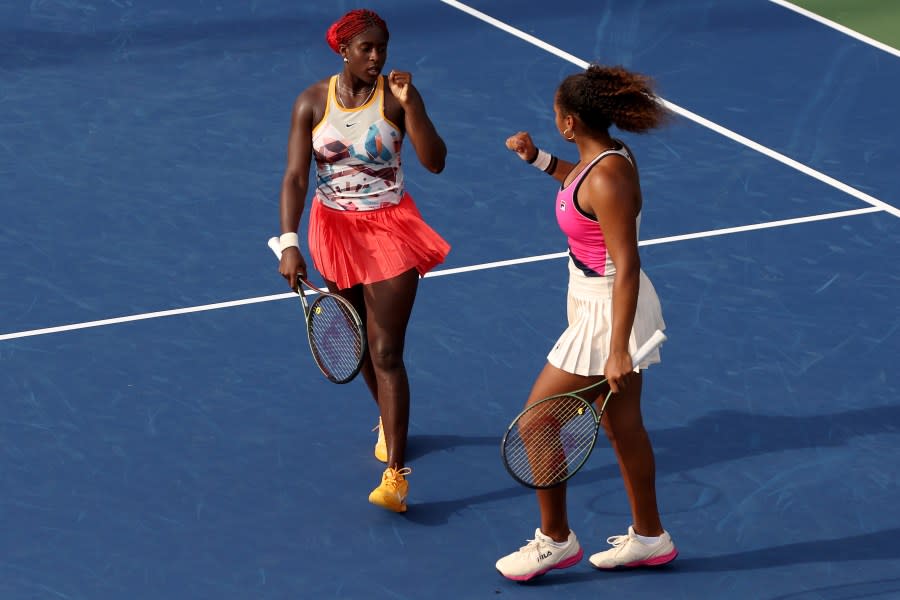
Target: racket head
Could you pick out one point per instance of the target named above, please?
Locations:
(549, 441)
(337, 337)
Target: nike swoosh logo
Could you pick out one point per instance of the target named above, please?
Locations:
(349, 124)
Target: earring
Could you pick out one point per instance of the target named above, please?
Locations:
(566, 134)
(346, 60)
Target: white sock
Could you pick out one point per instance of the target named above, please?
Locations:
(648, 541)
(549, 540)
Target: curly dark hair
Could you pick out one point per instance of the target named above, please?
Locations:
(603, 96)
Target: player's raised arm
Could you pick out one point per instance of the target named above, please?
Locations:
(430, 147)
(522, 144)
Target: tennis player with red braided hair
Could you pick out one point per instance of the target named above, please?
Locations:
(612, 310)
(366, 236)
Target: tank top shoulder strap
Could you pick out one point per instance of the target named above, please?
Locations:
(332, 90)
(622, 151)
(329, 98)
(587, 168)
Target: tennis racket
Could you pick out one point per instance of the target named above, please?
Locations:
(336, 334)
(552, 438)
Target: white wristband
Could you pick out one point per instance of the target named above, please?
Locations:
(542, 160)
(289, 240)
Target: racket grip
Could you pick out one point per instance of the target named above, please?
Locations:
(649, 346)
(275, 246)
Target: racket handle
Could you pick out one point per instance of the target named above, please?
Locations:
(649, 346)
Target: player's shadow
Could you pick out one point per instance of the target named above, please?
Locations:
(729, 435)
(438, 513)
(418, 446)
(880, 545)
(721, 436)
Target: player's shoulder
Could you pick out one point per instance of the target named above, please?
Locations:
(612, 169)
(610, 180)
(310, 103)
(316, 92)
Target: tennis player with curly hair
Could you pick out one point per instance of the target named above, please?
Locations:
(366, 236)
(611, 305)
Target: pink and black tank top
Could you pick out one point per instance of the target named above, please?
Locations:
(357, 153)
(587, 247)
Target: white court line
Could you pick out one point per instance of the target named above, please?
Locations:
(141, 317)
(845, 30)
(688, 114)
(440, 273)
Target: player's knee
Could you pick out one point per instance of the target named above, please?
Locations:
(627, 435)
(386, 357)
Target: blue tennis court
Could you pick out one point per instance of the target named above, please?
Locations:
(165, 434)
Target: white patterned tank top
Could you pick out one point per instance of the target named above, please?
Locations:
(357, 153)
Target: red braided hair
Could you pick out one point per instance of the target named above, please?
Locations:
(351, 25)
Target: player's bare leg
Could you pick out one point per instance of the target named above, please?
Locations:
(552, 502)
(624, 426)
(388, 308)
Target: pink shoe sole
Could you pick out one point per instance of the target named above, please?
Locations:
(656, 561)
(569, 562)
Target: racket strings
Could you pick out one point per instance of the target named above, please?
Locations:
(336, 338)
(550, 440)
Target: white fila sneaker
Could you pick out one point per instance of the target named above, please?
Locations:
(539, 556)
(628, 552)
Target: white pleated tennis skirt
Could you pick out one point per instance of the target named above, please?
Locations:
(583, 347)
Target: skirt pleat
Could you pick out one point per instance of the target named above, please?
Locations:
(583, 347)
(363, 247)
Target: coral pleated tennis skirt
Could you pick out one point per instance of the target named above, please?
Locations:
(362, 247)
(583, 347)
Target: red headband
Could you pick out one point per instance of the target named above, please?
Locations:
(351, 25)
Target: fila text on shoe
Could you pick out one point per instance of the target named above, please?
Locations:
(539, 556)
